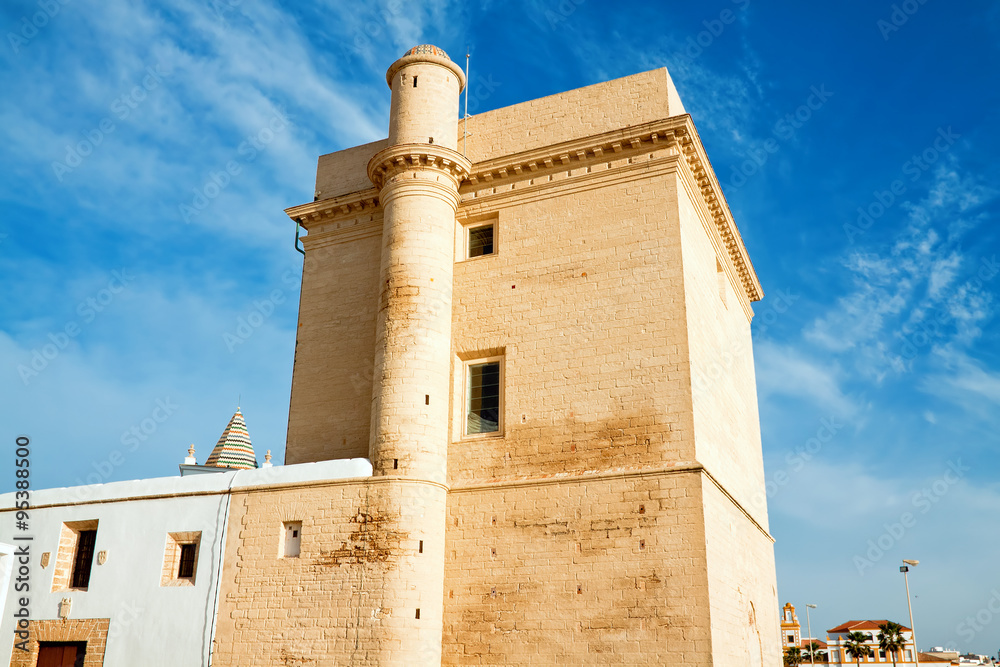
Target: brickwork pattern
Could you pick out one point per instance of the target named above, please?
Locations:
(611, 521)
(585, 294)
(94, 631)
(69, 537)
(330, 410)
(583, 112)
(172, 558)
(605, 571)
(721, 359)
(368, 561)
(742, 594)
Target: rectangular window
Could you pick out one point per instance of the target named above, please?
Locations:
(75, 556)
(84, 559)
(186, 568)
(292, 541)
(480, 240)
(483, 397)
(180, 559)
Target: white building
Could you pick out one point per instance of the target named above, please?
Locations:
(126, 573)
(837, 640)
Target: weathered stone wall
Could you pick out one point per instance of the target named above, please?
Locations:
(368, 562)
(742, 593)
(589, 570)
(93, 631)
(724, 390)
(602, 107)
(329, 415)
(611, 521)
(584, 295)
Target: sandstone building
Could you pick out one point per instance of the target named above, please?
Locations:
(535, 325)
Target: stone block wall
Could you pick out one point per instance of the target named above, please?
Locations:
(367, 563)
(591, 570)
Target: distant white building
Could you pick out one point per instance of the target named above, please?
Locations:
(837, 642)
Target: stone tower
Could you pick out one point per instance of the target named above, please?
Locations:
(417, 176)
(542, 344)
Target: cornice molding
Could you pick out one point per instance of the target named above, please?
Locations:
(518, 174)
(626, 148)
(394, 160)
(324, 211)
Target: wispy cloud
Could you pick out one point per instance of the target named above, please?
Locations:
(923, 289)
(784, 370)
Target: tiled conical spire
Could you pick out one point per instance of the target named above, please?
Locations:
(234, 449)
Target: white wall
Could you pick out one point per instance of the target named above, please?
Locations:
(150, 625)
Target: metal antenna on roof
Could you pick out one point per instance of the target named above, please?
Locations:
(465, 119)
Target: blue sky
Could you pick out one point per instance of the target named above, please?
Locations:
(149, 148)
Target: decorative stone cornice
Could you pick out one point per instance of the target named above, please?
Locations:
(335, 209)
(711, 190)
(400, 158)
(631, 147)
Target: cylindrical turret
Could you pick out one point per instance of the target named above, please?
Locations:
(425, 86)
(418, 176)
(418, 184)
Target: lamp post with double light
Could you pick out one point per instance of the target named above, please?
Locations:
(812, 650)
(913, 633)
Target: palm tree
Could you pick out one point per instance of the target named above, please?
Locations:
(857, 646)
(793, 657)
(810, 651)
(890, 639)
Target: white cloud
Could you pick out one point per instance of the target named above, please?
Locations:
(922, 291)
(785, 371)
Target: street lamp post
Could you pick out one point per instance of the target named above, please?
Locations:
(913, 633)
(812, 651)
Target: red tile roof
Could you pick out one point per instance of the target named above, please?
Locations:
(818, 642)
(851, 626)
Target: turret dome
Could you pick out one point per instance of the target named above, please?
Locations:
(425, 49)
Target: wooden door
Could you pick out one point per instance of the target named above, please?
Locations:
(59, 655)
